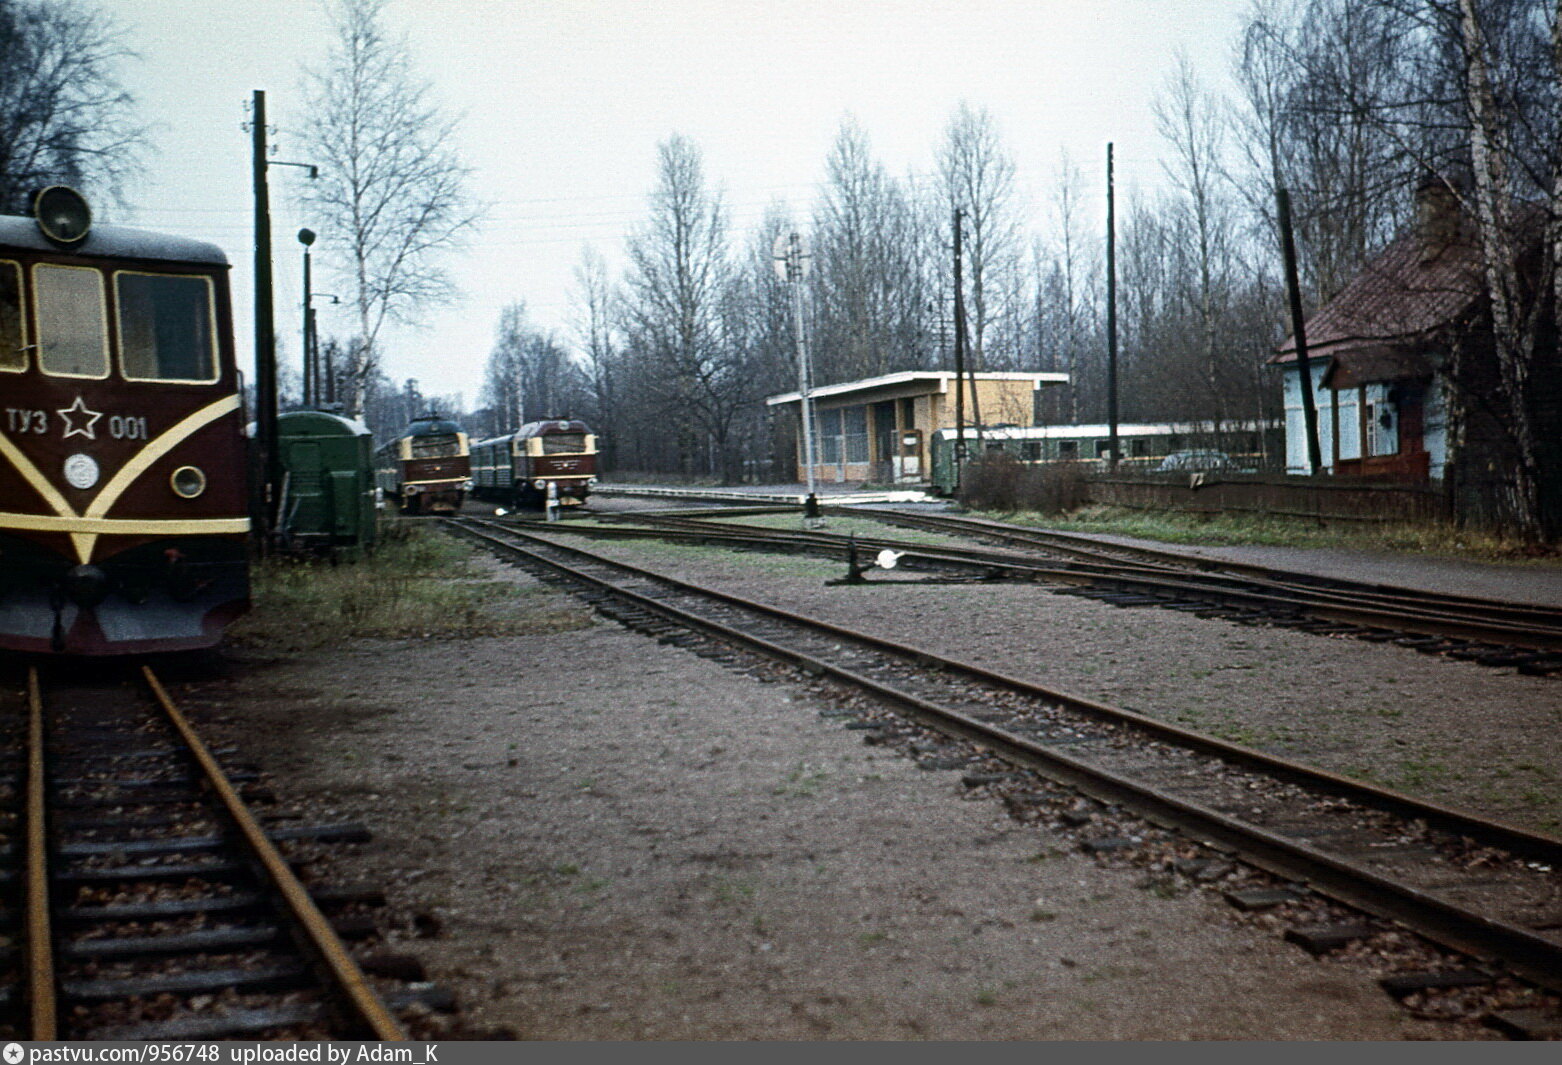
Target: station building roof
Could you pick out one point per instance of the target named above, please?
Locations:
(909, 383)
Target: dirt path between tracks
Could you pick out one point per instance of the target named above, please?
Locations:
(592, 835)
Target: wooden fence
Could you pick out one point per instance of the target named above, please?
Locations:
(1333, 499)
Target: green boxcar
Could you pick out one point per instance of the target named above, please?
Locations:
(328, 494)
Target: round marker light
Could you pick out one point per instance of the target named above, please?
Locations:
(539, 485)
(187, 482)
(62, 214)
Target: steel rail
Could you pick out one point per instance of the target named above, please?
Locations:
(1321, 604)
(1535, 957)
(1241, 578)
(1087, 548)
(333, 954)
(42, 1005)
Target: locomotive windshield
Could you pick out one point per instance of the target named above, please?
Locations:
(165, 327)
(72, 332)
(13, 355)
(563, 443)
(435, 447)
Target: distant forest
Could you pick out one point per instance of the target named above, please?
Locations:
(1349, 104)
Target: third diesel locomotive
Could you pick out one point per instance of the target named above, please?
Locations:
(427, 468)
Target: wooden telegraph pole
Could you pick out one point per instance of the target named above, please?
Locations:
(1111, 312)
(1299, 331)
(265, 337)
(959, 357)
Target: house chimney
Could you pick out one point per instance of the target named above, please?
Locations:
(1438, 215)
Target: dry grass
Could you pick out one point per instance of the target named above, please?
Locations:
(417, 583)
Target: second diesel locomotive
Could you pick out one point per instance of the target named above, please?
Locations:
(123, 509)
(520, 467)
(426, 469)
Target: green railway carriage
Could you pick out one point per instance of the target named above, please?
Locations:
(328, 492)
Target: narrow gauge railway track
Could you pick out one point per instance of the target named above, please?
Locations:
(157, 904)
(1491, 632)
(1481, 888)
(1086, 549)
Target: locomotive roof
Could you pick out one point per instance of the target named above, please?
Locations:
(431, 427)
(113, 242)
(552, 425)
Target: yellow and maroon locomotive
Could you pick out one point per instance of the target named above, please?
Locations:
(427, 469)
(521, 468)
(123, 503)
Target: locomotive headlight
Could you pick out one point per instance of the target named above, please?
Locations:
(62, 214)
(539, 485)
(591, 481)
(187, 482)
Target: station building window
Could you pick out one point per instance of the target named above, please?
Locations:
(854, 430)
(830, 436)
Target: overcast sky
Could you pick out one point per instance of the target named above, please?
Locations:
(565, 102)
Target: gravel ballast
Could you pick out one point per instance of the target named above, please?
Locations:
(594, 835)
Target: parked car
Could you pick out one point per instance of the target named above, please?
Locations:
(1188, 461)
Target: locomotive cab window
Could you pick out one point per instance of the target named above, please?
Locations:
(13, 334)
(442, 446)
(72, 325)
(563, 443)
(165, 328)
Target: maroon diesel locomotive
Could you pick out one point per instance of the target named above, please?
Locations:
(123, 502)
(520, 468)
(426, 469)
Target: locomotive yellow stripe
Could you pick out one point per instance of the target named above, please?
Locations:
(91, 528)
(165, 442)
(30, 474)
(85, 530)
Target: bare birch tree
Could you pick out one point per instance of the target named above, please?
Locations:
(678, 277)
(391, 196)
(64, 116)
(978, 178)
(866, 291)
(596, 308)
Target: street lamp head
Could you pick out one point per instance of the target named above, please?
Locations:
(306, 237)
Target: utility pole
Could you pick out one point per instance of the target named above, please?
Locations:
(959, 356)
(791, 265)
(265, 337)
(1111, 311)
(1299, 331)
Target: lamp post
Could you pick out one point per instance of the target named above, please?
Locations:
(306, 237)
